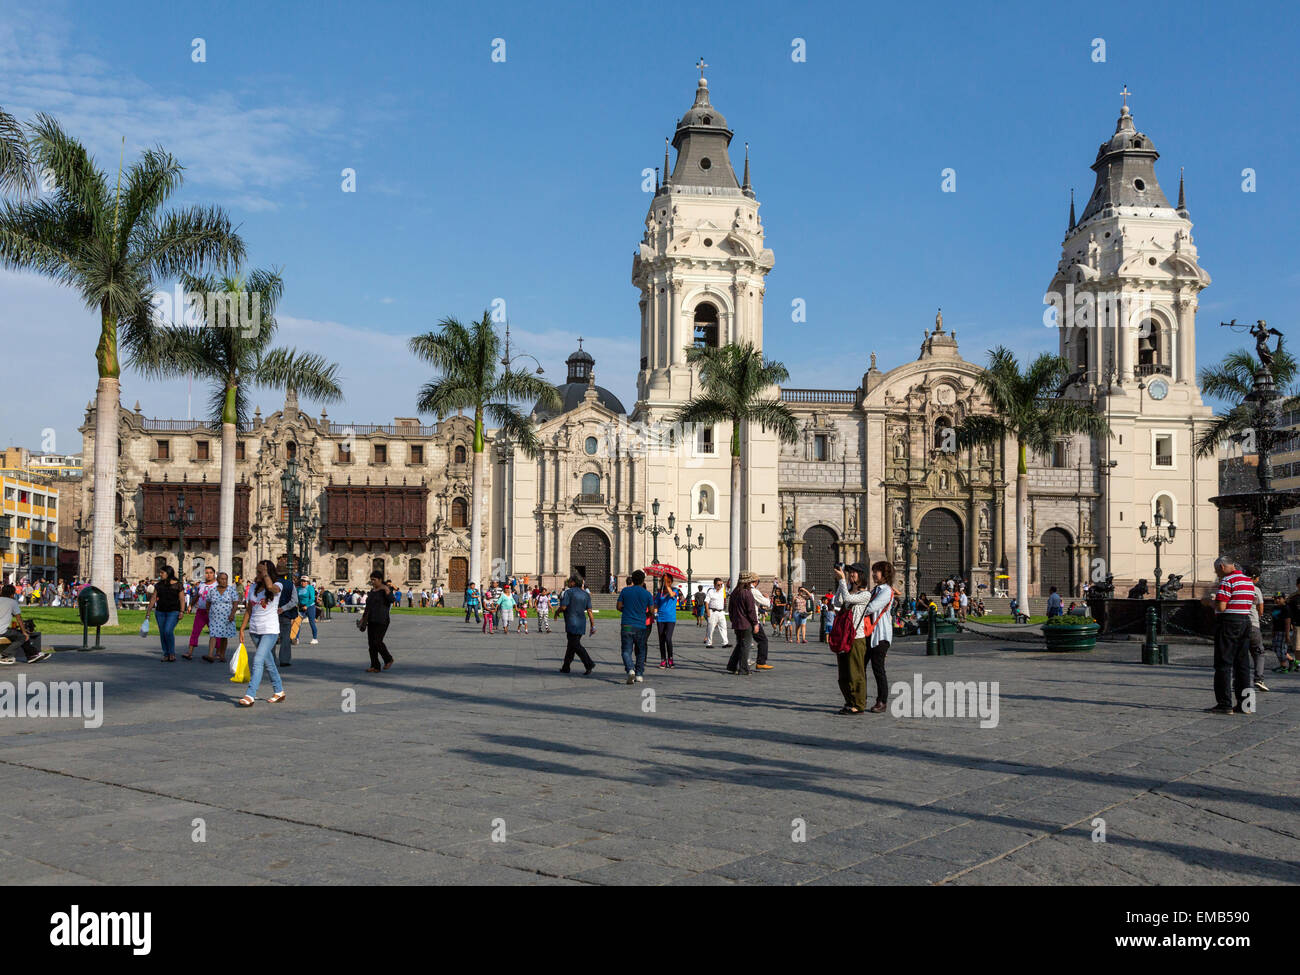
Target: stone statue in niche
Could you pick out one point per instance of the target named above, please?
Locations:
(984, 553)
(898, 515)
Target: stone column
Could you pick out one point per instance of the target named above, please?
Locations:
(1185, 309)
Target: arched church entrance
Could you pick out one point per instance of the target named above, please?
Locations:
(939, 553)
(821, 550)
(1056, 566)
(589, 558)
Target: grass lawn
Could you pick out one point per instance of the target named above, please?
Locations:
(1004, 618)
(63, 620)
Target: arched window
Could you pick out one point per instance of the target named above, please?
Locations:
(290, 450)
(459, 455)
(158, 563)
(459, 513)
(413, 570)
(340, 569)
(1081, 350)
(117, 508)
(706, 325)
(1153, 348)
(591, 485)
(378, 566)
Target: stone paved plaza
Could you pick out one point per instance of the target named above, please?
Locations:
(468, 735)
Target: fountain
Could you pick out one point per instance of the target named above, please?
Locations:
(1265, 548)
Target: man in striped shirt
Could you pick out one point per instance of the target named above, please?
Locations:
(1232, 663)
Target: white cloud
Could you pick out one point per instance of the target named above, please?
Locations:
(239, 153)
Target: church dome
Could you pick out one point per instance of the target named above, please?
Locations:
(581, 377)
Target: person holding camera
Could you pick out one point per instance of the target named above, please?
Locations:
(375, 619)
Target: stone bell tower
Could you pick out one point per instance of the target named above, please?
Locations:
(1125, 295)
(700, 270)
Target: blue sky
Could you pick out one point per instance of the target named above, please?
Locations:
(521, 180)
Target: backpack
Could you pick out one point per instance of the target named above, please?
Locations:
(841, 638)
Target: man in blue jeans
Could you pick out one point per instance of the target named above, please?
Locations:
(472, 603)
(634, 602)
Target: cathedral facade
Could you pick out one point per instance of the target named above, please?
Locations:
(874, 472)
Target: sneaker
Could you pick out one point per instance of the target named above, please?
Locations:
(6, 661)
(631, 676)
(1219, 709)
(314, 642)
(43, 655)
(671, 663)
(640, 679)
(1260, 685)
(663, 665)
(763, 666)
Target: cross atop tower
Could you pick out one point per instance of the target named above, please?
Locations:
(701, 65)
(1125, 93)
(579, 343)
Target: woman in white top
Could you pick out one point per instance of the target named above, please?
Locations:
(865, 603)
(262, 617)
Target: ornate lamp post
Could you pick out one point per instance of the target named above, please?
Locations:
(655, 529)
(688, 548)
(290, 489)
(181, 517)
(306, 534)
(788, 538)
(1159, 539)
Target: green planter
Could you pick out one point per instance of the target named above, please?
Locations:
(942, 625)
(1067, 637)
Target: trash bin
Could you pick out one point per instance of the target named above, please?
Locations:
(92, 607)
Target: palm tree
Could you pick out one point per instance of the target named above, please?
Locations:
(466, 357)
(111, 246)
(1028, 407)
(1232, 380)
(232, 352)
(16, 175)
(735, 380)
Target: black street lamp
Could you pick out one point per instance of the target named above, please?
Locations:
(788, 538)
(688, 548)
(654, 530)
(1159, 539)
(181, 517)
(306, 534)
(290, 489)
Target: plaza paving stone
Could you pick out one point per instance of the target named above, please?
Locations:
(728, 780)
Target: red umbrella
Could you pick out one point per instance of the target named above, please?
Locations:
(671, 571)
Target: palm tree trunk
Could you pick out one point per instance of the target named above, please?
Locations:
(107, 395)
(476, 502)
(734, 558)
(226, 528)
(1022, 530)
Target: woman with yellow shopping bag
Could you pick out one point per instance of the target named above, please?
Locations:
(262, 618)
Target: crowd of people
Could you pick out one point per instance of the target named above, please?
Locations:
(264, 615)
